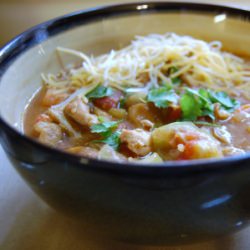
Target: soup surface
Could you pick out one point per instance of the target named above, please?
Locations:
(164, 97)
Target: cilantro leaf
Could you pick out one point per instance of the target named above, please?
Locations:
(190, 107)
(207, 124)
(112, 140)
(207, 105)
(122, 102)
(226, 102)
(174, 80)
(195, 104)
(100, 91)
(201, 94)
(162, 96)
(104, 127)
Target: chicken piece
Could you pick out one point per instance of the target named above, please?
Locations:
(43, 118)
(222, 134)
(141, 112)
(147, 125)
(54, 96)
(219, 113)
(49, 133)
(84, 151)
(137, 140)
(79, 112)
(184, 141)
(242, 114)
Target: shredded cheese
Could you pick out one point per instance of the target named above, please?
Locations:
(200, 64)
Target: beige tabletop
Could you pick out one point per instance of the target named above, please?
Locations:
(26, 222)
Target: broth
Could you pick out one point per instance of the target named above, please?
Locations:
(180, 108)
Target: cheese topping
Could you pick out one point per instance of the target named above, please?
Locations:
(200, 64)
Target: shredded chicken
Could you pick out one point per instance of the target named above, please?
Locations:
(147, 125)
(54, 96)
(222, 134)
(49, 133)
(137, 140)
(79, 112)
(219, 113)
(43, 118)
(140, 112)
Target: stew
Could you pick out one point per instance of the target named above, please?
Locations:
(163, 97)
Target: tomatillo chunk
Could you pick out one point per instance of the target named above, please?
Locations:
(184, 141)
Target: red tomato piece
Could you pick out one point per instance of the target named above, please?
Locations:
(173, 114)
(108, 102)
(105, 103)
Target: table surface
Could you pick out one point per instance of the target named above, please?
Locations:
(26, 222)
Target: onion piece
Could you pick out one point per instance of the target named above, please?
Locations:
(150, 158)
(108, 153)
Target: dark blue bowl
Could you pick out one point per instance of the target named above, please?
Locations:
(168, 203)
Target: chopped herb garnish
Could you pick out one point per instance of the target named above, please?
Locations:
(113, 140)
(190, 107)
(226, 102)
(196, 103)
(207, 106)
(102, 119)
(100, 91)
(106, 130)
(207, 124)
(174, 80)
(104, 127)
(121, 104)
(162, 97)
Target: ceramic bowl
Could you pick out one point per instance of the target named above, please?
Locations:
(170, 203)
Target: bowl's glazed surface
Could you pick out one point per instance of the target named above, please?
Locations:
(167, 204)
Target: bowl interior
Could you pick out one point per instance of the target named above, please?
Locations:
(23, 77)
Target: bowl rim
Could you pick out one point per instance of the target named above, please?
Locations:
(26, 40)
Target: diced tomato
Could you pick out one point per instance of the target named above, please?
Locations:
(183, 138)
(108, 102)
(189, 141)
(105, 103)
(189, 151)
(172, 114)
